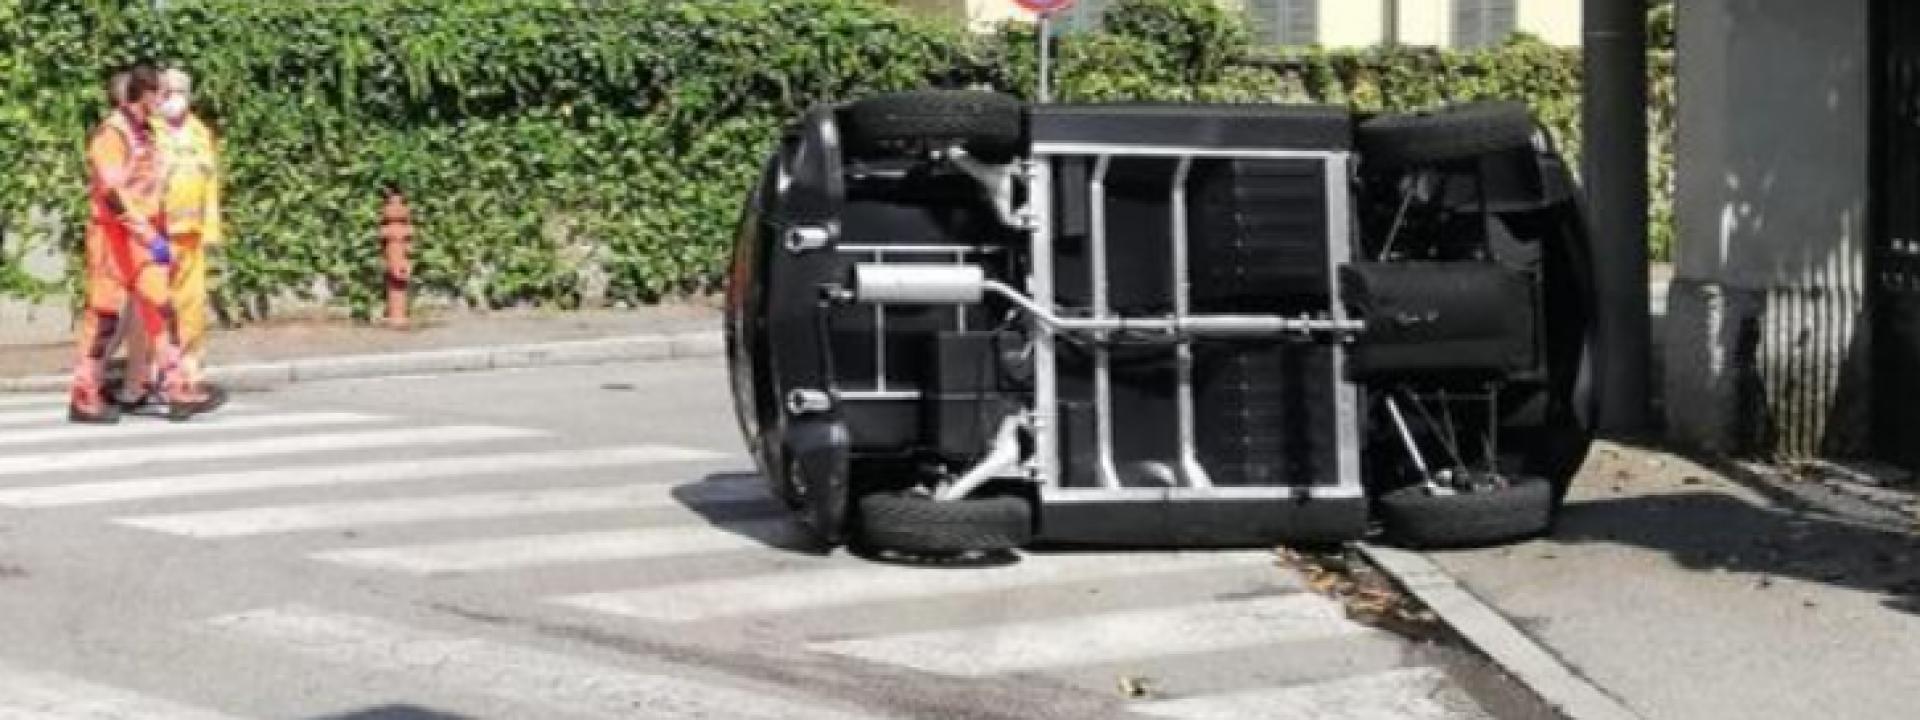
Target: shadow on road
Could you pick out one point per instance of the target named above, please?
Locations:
(396, 712)
(1711, 531)
(762, 518)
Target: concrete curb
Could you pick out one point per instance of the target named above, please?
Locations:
(1492, 634)
(639, 348)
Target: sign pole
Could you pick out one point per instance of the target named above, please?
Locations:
(1045, 10)
(1046, 57)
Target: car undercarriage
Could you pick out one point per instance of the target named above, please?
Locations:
(958, 323)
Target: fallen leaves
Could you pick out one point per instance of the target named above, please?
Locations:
(1369, 596)
(1135, 687)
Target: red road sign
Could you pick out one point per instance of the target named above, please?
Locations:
(1044, 6)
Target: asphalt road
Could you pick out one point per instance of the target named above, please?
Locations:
(591, 543)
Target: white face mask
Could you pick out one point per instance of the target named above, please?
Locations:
(174, 107)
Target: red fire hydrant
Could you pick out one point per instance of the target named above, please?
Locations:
(396, 233)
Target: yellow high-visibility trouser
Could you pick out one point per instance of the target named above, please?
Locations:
(190, 303)
(187, 288)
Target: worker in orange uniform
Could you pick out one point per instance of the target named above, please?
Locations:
(191, 205)
(127, 254)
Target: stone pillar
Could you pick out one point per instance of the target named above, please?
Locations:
(35, 245)
(1767, 348)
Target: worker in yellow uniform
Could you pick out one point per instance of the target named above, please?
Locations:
(127, 254)
(191, 206)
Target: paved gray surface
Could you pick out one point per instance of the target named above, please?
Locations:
(586, 542)
(1688, 595)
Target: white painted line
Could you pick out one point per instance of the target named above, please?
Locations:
(121, 456)
(563, 684)
(470, 506)
(50, 417)
(30, 695)
(1108, 637)
(1405, 694)
(572, 548)
(838, 587)
(392, 471)
(57, 417)
(51, 401)
(163, 428)
(41, 418)
(1489, 631)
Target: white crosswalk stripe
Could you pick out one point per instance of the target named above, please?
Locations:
(472, 506)
(1406, 694)
(1056, 613)
(208, 426)
(520, 552)
(562, 683)
(33, 695)
(1107, 637)
(57, 417)
(31, 417)
(815, 589)
(125, 457)
(394, 471)
(50, 401)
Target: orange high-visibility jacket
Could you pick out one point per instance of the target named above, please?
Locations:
(192, 165)
(125, 173)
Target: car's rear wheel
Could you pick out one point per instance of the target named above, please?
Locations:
(1450, 134)
(986, 124)
(921, 525)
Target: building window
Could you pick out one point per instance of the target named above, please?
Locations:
(1285, 22)
(1483, 23)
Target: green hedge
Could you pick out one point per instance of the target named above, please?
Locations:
(541, 140)
(553, 147)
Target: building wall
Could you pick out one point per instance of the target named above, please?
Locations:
(1558, 22)
(988, 13)
(1343, 23)
(1766, 351)
(1351, 23)
(978, 14)
(1426, 22)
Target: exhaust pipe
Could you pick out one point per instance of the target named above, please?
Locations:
(919, 284)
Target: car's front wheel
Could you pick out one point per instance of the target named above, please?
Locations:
(1416, 517)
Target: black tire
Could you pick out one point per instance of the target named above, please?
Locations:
(923, 525)
(819, 495)
(1554, 452)
(1413, 518)
(1449, 134)
(987, 124)
(781, 477)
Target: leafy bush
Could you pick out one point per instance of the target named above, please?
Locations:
(550, 146)
(1199, 36)
(541, 141)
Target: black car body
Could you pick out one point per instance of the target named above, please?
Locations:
(959, 323)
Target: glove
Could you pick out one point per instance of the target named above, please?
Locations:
(161, 248)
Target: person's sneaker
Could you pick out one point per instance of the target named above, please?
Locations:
(92, 408)
(139, 401)
(216, 396)
(198, 401)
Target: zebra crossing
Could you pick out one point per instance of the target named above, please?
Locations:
(494, 506)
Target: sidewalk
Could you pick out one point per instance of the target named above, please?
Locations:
(271, 353)
(1686, 593)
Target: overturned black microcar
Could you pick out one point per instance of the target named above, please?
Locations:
(958, 323)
